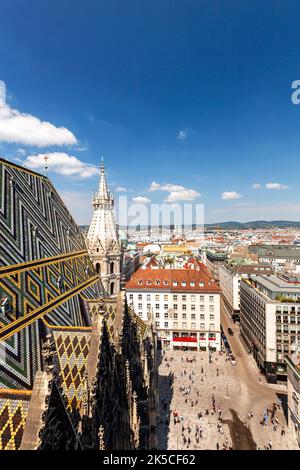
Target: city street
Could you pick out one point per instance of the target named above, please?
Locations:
(232, 392)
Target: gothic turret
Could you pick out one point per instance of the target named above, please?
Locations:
(102, 239)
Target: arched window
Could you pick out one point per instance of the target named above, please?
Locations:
(98, 269)
(112, 288)
(112, 267)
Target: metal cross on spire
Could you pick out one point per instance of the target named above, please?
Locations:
(46, 158)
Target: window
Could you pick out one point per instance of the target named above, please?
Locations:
(175, 316)
(201, 308)
(175, 297)
(193, 326)
(148, 297)
(157, 306)
(140, 296)
(192, 283)
(166, 306)
(166, 324)
(201, 316)
(201, 284)
(166, 297)
(193, 307)
(140, 306)
(157, 282)
(211, 326)
(156, 296)
(202, 326)
(211, 298)
(175, 306)
(193, 316)
(131, 296)
(184, 325)
(192, 298)
(149, 283)
(175, 283)
(140, 314)
(148, 306)
(157, 314)
(183, 298)
(183, 283)
(157, 323)
(183, 306)
(166, 283)
(112, 267)
(184, 315)
(175, 324)
(211, 316)
(201, 298)
(166, 315)
(211, 308)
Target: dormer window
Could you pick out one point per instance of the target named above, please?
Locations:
(175, 283)
(157, 283)
(166, 283)
(183, 283)
(192, 284)
(201, 284)
(140, 282)
(149, 283)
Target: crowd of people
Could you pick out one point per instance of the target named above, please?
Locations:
(191, 432)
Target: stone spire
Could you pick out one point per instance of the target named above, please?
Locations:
(102, 238)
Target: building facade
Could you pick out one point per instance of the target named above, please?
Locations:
(102, 239)
(270, 321)
(184, 303)
(230, 276)
(293, 387)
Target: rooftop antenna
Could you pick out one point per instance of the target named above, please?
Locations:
(46, 158)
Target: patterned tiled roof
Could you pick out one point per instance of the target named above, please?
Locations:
(72, 350)
(13, 412)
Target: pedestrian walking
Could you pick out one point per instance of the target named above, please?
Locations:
(270, 445)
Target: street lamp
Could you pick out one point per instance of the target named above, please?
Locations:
(209, 350)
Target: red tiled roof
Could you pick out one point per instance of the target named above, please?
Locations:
(196, 280)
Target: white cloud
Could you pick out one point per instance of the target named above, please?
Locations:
(182, 135)
(121, 189)
(28, 130)
(61, 163)
(165, 187)
(141, 200)
(182, 195)
(276, 186)
(230, 195)
(177, 192)
(256, 186)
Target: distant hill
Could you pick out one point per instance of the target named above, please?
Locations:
(256, 224)
(234, 225)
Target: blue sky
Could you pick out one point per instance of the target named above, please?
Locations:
(193, 95)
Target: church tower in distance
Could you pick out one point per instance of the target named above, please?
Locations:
(102, 238)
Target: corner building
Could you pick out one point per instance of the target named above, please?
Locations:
(184, 303)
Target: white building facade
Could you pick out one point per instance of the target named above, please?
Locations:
(185, 304)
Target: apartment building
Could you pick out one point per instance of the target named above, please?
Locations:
(293, 387)
(230, 276)
(184, 302)
(270, 321)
